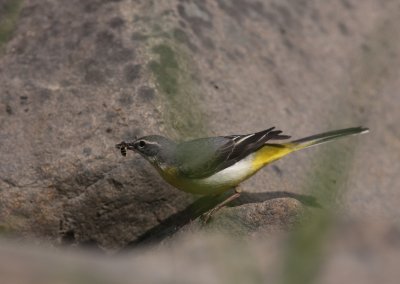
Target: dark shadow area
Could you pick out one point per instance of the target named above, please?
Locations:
(172, 224)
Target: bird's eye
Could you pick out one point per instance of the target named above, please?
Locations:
(142, 144)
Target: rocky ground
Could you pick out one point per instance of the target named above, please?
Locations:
(77, 77)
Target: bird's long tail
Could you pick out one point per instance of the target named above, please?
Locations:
(273, 152)
(325, 137)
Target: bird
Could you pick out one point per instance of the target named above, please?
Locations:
(213, 165)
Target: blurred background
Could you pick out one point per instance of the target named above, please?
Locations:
(77, 77)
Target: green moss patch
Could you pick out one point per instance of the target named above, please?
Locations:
(9, 12)
(182, 111)
(307, 241)
(166, 69)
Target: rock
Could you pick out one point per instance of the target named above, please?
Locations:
(211, 257)
(77, 80)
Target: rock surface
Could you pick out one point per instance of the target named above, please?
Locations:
(357, 253)
(76, 77)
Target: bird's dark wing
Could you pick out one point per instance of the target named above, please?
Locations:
(203, 157)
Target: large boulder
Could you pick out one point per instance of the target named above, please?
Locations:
(77, 77)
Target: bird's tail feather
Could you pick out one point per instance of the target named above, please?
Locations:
(325, 137)
(272, 152)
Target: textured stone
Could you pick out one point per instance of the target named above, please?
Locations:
(78, 79)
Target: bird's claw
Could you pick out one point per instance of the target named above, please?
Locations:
(206, 217)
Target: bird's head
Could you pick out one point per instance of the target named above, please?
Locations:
(152, 147)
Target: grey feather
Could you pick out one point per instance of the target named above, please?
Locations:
(203, 157)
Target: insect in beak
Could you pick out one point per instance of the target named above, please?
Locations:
(124, 146)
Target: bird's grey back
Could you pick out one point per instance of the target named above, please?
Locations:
(199, 157)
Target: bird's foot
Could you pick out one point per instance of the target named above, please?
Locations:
(206, 217)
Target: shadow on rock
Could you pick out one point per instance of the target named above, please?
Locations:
(176, 221)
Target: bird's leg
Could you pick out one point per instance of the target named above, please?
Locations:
(206, 216)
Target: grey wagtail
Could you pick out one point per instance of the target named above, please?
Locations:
(212, 165)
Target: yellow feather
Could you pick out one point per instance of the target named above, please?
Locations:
(270, 153)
